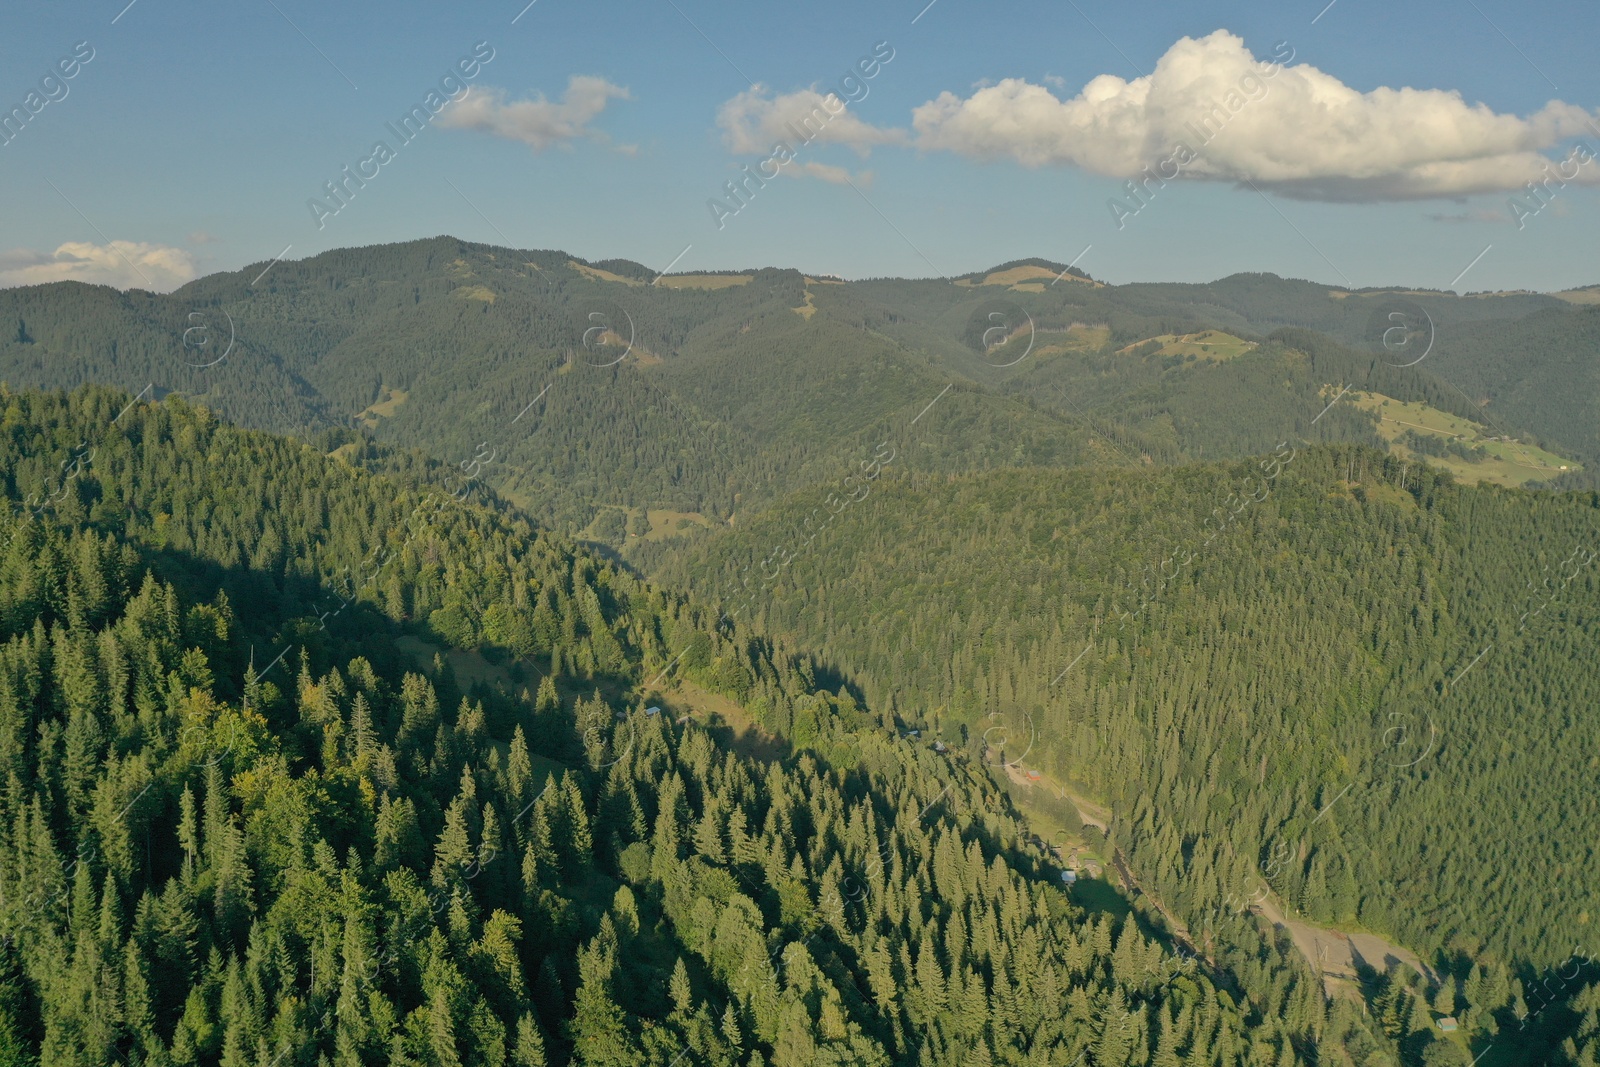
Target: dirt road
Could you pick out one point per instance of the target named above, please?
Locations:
(1336, 954)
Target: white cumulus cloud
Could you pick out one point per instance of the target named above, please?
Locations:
(536, 121)
(120, 264)
(1294, 129)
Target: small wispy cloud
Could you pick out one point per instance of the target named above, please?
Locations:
(755, 120)
(536, 121)
(827, 172)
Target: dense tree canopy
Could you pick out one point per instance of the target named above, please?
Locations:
(209, 858)
(333, 747)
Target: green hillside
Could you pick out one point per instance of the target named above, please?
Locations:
(1219, 652)
(1469, 450)
(214, 853)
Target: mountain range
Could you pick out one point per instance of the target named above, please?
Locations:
(816, 621)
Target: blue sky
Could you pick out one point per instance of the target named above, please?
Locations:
(198, 132)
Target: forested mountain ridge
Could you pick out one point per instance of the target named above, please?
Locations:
(1330, 664)
(715, 394)
(210, 858)
(447, 338)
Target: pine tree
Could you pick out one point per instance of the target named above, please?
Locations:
(1166, 1054)
(678, 988)
(529, 1049)
(188, 832)
(598, 1027)
(452, 854)
(730, 1028)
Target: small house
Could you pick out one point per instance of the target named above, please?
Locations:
(1448, 1024)
(652, 711)
(1069, 877)
(938, 746)
(1033, 776)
